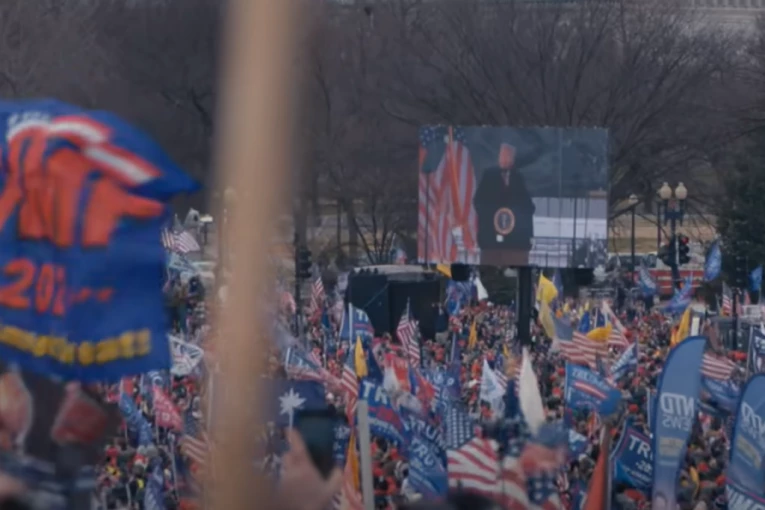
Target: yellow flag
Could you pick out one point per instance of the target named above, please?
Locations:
(546, 290)
(600, 334)
(444, 269)
(361, 359)
(352, 467)
(473, 338)
(546, 320)
(505, 351)
(683, 328)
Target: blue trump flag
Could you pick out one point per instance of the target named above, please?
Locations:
(647, 282)
(719, 397)
(419, 428)
(678, 391)
(626, 364)
(713, 262)
(384, 420)
(587, 390)
(745, 469)
(427, 473)
(632, 459)
(84, 200)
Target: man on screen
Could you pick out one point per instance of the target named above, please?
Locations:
(505, 213)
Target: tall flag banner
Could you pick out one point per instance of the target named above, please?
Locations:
(632, 460)
(746, 472)
(85, 198)
(678, 392)
(713, 262)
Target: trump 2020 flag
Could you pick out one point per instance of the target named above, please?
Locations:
(427, 473)
(632, 460)
(713, 262)
(746, 471)
(384, 420)
(587, 390)
(84, 199)
(678, 391)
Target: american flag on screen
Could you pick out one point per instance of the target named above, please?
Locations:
(407, 334)
(716, 367)
(472, 462)
(446, 186)
(727, 300)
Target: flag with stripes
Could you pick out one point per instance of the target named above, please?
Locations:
(180, 241)
(472, 462)
(407, 334)
(194, 442)
(446, 186)
(575, 347)
(349, 383)
(727, 300)
(317, 295)
(716, 366)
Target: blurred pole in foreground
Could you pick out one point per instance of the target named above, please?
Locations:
(252, 131)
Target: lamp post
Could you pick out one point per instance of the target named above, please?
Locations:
(672, 211)
(633, 202)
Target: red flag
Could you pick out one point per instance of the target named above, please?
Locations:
(166, 413)
(598, 492)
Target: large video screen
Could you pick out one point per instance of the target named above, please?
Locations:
(506, 196)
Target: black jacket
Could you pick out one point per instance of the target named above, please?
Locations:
(492, 194)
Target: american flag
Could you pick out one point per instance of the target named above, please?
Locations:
(716, 367)
(445, 195)
(348, 381)
(194, 442)
(317, 294)
(407, 334)
(472, 462)
(576, 347)
(727, 300)
(181, 242)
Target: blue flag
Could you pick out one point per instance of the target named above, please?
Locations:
(577, 444)
(678, 392)
(289, 397)
(340, 446)
(755, 279)
(384, 420)
(421, 429)
(713, 263)
(584, 389)
(427, 472)
(626, 363)
(647, 282)
(719, 397)
(632, 459)
(745, 470)
(81, 260)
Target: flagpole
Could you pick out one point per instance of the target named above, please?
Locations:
(365, 454)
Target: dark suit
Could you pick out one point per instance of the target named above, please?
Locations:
(498, 231)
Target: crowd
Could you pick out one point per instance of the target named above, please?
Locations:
(159, 453)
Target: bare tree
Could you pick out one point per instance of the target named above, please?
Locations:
(650, 72)
(359, 156)
(165, 53)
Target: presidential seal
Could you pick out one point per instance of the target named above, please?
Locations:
(504, 221)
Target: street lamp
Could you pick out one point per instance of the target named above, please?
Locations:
(672, 211)
(633, 202)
